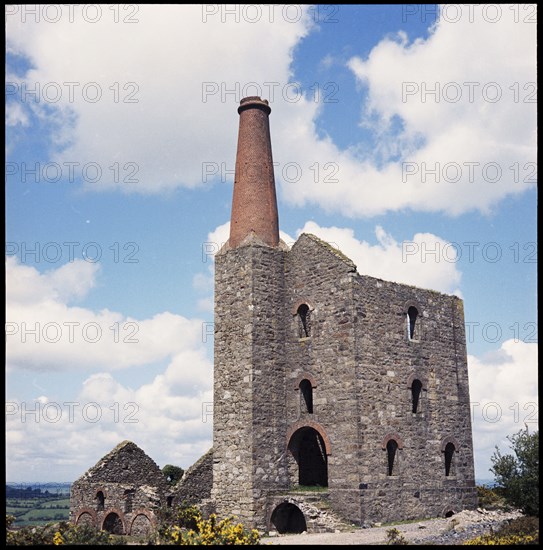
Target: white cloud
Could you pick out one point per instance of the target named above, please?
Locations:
(496, 58)
(169, 417)
(43, 332)
(163, 81)
(393, 261)
(15, 115)
(504, 397)
(182, 129)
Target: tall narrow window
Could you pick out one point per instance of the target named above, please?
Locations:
(129, 498)
(449, 459)
(306, 396)
(416, 391)
(304, 321)
(392, 448)
(100, 501)
(412, 314)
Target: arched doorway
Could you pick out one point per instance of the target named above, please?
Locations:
(141, 525)
(86, 518)
(113, 524)
(288, 518)
(308, 449)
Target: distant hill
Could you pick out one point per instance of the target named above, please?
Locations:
(487, 482)
(36, 490)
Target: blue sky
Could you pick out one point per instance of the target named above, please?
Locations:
(402, 134)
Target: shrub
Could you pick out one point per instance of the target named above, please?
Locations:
(520, 531)
(525, 525)
(183, 516)
(184, 524)
(210, 531)
(394, 537)
(489, 498)
(57, 534)
(518, 476)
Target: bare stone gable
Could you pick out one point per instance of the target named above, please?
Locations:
(121, 493)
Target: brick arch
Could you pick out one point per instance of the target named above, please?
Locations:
(450, 439)
(114, 511)
(142, 512)
(298, 303)
(89, 511)
(390, 436)
(310, 424)
(414, 376)
(305, 376)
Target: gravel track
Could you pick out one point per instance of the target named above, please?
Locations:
(443, 531)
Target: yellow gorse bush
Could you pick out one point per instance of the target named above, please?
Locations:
(495, 540)
(211, 532)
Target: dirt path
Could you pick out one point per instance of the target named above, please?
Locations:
(455, 530)
(374, 535)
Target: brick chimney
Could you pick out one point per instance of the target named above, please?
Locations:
(254, 204)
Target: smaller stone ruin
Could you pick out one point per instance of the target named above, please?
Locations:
(121, 493)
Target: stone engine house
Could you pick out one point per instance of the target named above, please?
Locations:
(328, 378)
(330, 387)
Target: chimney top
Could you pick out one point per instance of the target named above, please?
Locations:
(256, 102)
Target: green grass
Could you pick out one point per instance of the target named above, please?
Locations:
(60, 503)
(37, 511)
(310, 488)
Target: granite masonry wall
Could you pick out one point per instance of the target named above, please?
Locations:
(120, 493)
(249, 408)
(196, 483)
(354, 351)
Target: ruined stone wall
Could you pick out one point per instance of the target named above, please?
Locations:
(361, 365)
(249, 414)
(387, 363)
(132, 486)
(197, 482)
(319, 275)
(134, 505)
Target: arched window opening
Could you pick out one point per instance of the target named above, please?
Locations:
(449, 459)
(412, 328)
(304, 321)
(288, 518)
(100, 501)
(392, 448)
(416, 392)
(306, 396)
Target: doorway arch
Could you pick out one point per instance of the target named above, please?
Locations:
(113, 524)
(310, 451)
(288, 518)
